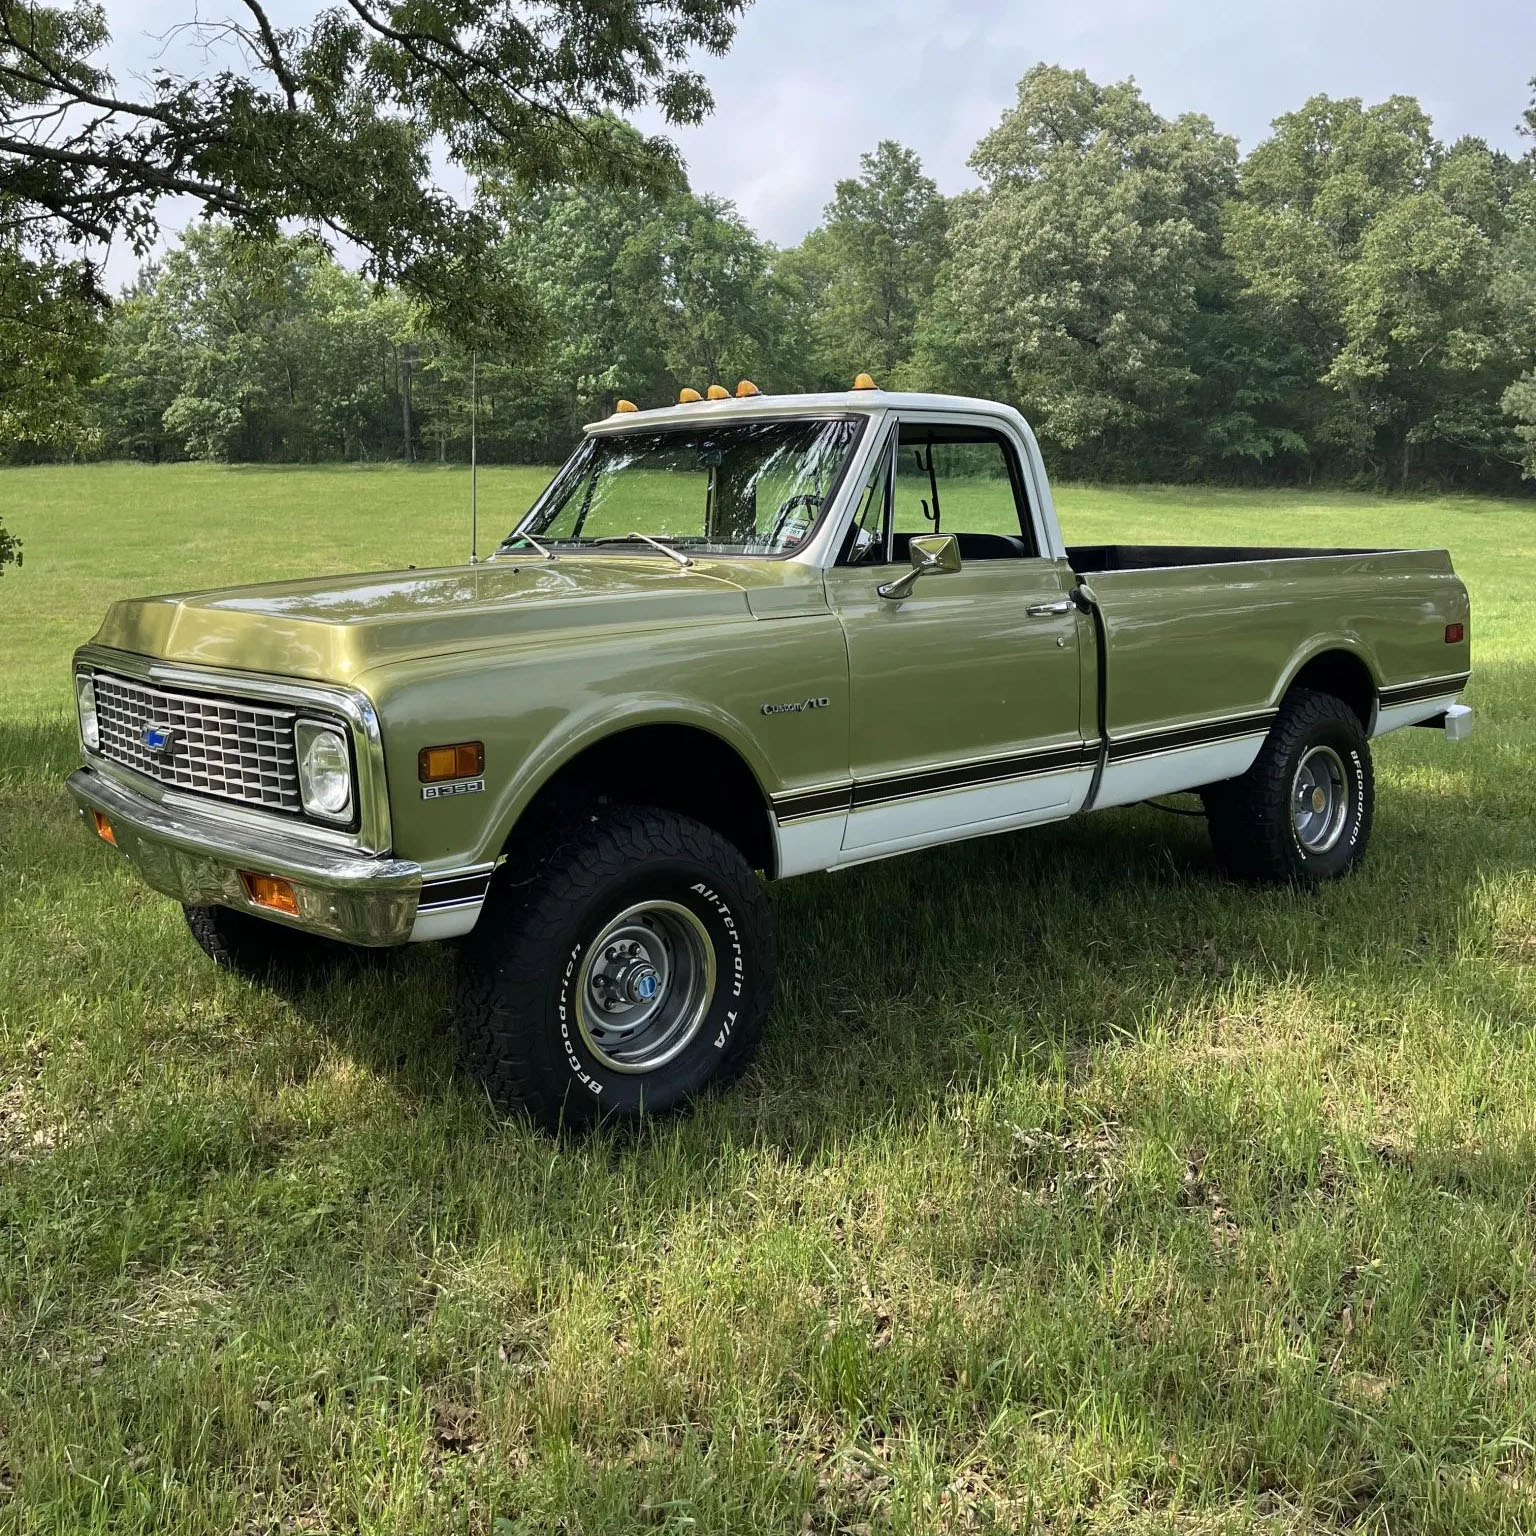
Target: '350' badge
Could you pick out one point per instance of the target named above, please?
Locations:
(454, 787)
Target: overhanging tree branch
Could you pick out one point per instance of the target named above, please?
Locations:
(334, 125)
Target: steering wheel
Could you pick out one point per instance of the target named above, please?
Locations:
(788, 506)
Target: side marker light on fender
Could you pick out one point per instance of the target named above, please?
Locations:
(461, 760)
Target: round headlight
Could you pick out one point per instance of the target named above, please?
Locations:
(85, 702)
(325, 770)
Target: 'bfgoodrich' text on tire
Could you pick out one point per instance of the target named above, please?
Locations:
(1302, 813)
(618, 971)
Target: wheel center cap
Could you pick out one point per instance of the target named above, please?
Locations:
(643, 984)
(1319, 800)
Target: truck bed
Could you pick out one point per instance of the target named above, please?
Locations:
(1088, 559)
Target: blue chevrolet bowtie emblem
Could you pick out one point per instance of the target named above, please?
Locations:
(159, 738)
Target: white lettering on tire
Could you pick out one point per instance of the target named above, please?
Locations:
(563, 1012)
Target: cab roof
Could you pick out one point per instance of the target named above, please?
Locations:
(845, 402)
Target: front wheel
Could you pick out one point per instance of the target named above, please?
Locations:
(268, 951)
(1302, 813)
(619, 973)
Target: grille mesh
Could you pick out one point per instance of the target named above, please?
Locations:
(233, 749)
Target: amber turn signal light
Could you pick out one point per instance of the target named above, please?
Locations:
(464, 760)
(1455, 634)
(270, 892)
(104, 829)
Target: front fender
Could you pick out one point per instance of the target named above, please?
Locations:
(577, 733)
(536, 707)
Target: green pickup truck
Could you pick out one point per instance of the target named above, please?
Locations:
(736, 639)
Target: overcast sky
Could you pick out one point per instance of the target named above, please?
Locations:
(810, 84)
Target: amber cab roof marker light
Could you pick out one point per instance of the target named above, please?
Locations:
(746, 389)
(689, 397)
(865, 382)
(624, 407)
(719, 392)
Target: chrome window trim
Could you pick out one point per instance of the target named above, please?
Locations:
(821, 549)
(1004, 420)
(862, 419)
(373, 833)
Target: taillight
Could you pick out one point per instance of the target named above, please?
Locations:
(1455, 633)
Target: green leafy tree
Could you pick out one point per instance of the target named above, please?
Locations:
(231, 348)
(868, 272)
(1076, 273)
(641, 293)
(1514, 293)
(50, 324)
(333, 124)
(1369, 244)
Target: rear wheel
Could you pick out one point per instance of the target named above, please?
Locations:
(1303, 812)
(617, 973)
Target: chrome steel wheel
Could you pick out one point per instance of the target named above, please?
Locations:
(1320, 800)
(645, 986)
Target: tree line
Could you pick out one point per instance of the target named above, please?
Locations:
(1352, 301)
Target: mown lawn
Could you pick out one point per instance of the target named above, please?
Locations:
(1075, 1189)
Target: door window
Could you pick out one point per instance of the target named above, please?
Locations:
(960, 480)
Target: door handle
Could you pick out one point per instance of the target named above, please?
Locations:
(1049, 610)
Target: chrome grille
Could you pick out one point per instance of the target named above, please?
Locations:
(231, 748)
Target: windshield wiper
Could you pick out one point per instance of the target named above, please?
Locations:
(528, 538)
(645, 538)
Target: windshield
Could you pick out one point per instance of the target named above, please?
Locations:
(756, 488)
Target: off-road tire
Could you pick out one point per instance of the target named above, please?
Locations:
(265, 951)
(1252, 826)
(522, 970)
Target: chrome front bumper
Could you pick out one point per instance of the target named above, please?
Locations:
(198, 857)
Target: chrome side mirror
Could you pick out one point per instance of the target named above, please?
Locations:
(933, 554)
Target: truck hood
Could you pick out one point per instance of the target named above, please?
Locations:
(335, 628)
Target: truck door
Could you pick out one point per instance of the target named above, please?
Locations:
(965, 694)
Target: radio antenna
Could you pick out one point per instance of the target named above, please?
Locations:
(474, 459)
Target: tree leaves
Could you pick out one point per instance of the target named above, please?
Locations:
(334, 126)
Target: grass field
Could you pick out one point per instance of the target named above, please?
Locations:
(1075, 1190)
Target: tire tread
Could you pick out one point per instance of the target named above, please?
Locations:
(506, 958)
(1249, 816)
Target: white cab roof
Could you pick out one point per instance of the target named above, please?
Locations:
(842, 403)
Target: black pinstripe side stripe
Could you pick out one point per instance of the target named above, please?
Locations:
(814, 802)
(1434, 688)
(1026, 765)
(860, 796)
(448, 893)
(821, 802)
(1205, 733)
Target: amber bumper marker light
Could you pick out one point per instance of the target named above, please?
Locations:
(104, 829)
(270, 892)
(463, 760)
